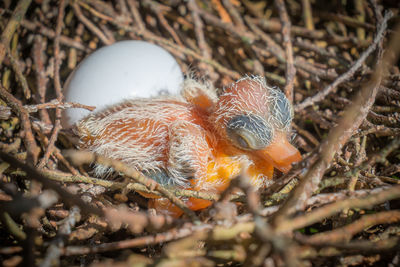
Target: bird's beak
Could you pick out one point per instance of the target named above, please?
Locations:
(280, 153)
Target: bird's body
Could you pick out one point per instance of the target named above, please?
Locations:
(199, 141)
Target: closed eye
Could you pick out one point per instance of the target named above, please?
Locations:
(249, 132)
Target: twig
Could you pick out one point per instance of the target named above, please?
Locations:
(387, 120)
(351, 120)
(245, 36)
(234, 13)
(38, 59)
(34, 174)
(278, 52)
(12, 26)
(56, 151)
(309, 46)
(156, 7)
(140, 31)
(346, 233)
(307, 15)
(136, 15)
(12, 227)
(57, 86)
(31, 205)
(29, 140)
(95, 12)
(81, 157)
(379, 157)
(221, 11)
(281, 194)
(287, 43)
(21, 78)
(360, 17)
(90, 25)
(67, 178)
(273, 25)
(49, 105)
(348, 74)
(331, 209)
(362, 247)
(326, 198)
(272, 46)
(306, 134)
(130, 243)
(198, 29)
(345, 20)
(56, 104)
(54, 250)
(43, 30)
(255, 45)
(136, 222)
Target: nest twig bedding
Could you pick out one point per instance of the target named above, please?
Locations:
(337, 63)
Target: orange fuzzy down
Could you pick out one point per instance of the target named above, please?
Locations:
(227, 168)
(188, 139)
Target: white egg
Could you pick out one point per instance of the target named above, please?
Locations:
(123, 70)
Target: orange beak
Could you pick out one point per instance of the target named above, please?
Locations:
(280, 153)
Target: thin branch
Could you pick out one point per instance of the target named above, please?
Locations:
(130, 243)
(336, 207)
(346, 233)
(38, 59)
(12, 26)
(45, 31)
(83, 157)
(29, 139)
(112, 185)
(307, 14)
(34, 174)
(287, 43)
(348, 74)
(54, 250)
(21, 78)
(338, 136)
(49, 105)
(91, 26)
(57, 86)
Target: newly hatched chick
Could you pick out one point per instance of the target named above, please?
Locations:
(200, 141)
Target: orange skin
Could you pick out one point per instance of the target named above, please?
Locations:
(215, 155)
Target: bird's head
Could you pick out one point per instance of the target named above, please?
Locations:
(255, 118)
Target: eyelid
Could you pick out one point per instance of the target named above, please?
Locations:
(243, 142)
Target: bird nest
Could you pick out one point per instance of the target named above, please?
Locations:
(337, 63)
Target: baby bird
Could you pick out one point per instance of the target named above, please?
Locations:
(198, 141)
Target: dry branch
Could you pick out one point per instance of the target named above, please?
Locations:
(81, 157)
(321, 54)
(349, 123)
(12, 26)
(347, 75)
(34, 174)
